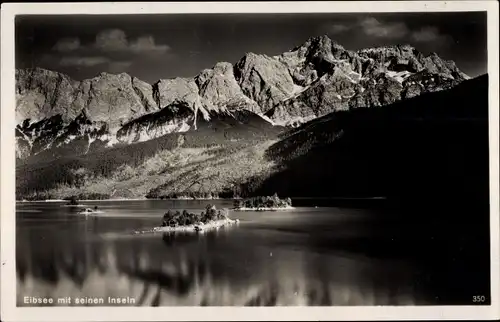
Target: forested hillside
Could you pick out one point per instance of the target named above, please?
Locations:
(230, 139)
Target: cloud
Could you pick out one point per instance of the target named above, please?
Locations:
(83, 61)
(390, 30)
(67, 44)
(430, 34)
(373, 27)
(338, 28)
(147, 44)
(112, 50)
(112, 40)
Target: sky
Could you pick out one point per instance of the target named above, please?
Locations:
(153, 47)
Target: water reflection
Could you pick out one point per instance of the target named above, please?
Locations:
(250, 265)
(185, 275)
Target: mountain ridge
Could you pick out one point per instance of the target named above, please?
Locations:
(355, 153)
(311, 80)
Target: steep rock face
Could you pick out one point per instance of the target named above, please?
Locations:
(329, 93)
(316, 57)
(176, 117)
(168, 91)
(219, 90)
(145, 93)
(378, 91)
(54, 111)
(333, 78)
(184, 102)
(110, 98)
(41, 93)
(424, 81)
(264, 79)
(179, 91)
(406, 57)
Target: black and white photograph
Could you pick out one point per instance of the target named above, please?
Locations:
(320, 159)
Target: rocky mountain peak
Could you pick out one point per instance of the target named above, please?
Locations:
(43, 93)
(323, 42)
(264, 79)
(219, 90)
(317, 49)
(315, 78)
(318, 42)
(406, 57)
(179, 89)
(331, 78)
(110, 98)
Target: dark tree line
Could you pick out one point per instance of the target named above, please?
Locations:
(263, 202)
(175, 219)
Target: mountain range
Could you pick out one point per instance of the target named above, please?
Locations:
(57, 115)
(235, 129)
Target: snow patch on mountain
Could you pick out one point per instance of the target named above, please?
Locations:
(265, 118)
(111, 140)
(399, 76)
(294, 122)
(142, 134)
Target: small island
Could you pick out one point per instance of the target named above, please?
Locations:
(211, 218)
(90, 211)
(73, 201)
(263, 203)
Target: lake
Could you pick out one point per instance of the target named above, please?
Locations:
(306, 256)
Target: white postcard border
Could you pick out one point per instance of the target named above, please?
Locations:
(9, 311)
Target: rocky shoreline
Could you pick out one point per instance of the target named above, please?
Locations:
(184, 221)
(200, 227)
(263, 203)
(265, 208)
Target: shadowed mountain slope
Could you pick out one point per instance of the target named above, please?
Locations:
(434, 146)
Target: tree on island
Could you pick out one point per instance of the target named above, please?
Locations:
(263, 202)
(238, 203)
(174, 219)
(73, 201)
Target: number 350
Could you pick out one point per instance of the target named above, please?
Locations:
(478, 298)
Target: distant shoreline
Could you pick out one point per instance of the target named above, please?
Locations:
(82, 200)
(117, 199)
(194, 199)
(264, 208)
(193, 228)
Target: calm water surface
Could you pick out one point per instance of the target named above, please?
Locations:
(270, 258)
